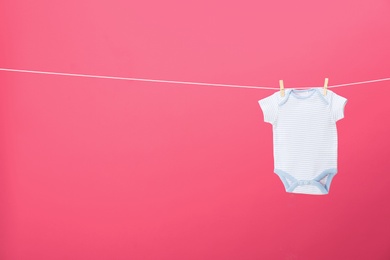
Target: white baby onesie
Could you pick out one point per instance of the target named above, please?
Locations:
(304, 137)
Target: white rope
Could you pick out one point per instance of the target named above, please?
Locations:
(358, 83)
(172, 81)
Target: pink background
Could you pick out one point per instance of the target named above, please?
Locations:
(108, 169)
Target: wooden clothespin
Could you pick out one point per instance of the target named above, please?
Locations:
(281, 88)
(326, 85)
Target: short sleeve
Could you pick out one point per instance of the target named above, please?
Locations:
(337, 105)
(269, 106)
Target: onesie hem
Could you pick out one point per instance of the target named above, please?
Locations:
(315, 182)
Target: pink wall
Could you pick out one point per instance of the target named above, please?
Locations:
(107, 169)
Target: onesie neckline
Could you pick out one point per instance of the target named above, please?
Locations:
(295, 92)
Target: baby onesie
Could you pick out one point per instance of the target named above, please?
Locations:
(304, 137)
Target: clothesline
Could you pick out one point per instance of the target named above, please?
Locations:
(173, 81)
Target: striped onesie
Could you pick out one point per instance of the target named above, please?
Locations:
(304, 137)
